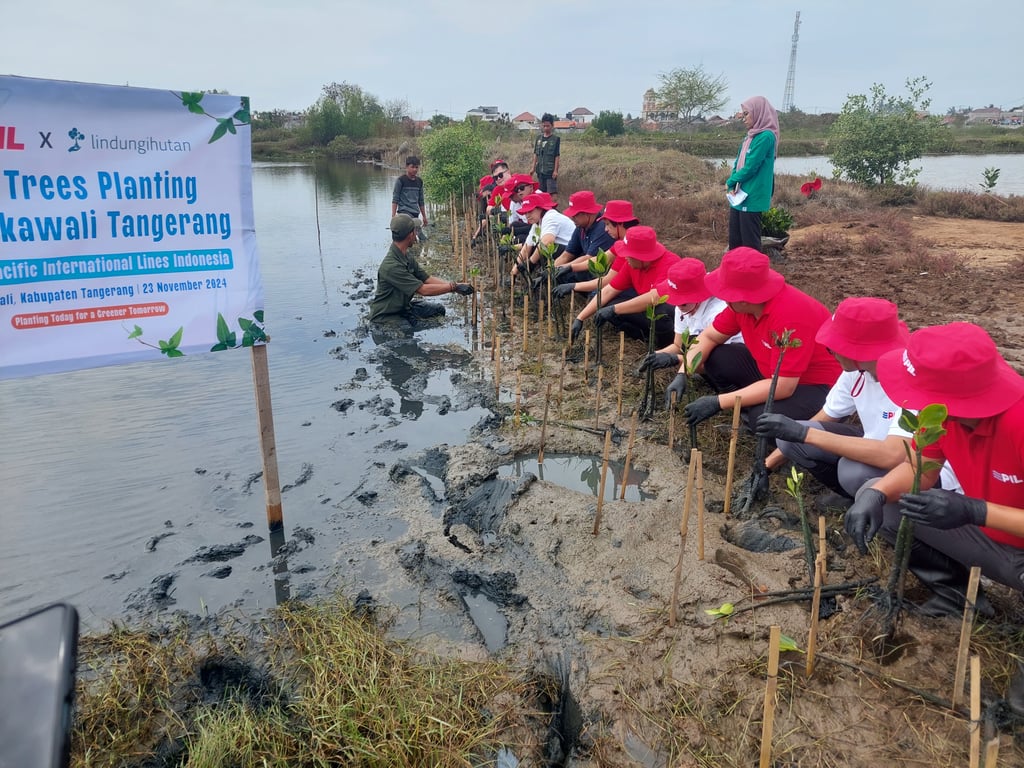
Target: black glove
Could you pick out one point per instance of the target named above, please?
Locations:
(656, 360)
(561, 272)
(604, 315)
(864, 517)
(523, 266)
(576, 330)
(782, 427)
(943, 509)
(678, 384)
(701, 409)
(464, 289)
(563, 290)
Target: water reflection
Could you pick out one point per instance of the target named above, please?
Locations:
(581, 473)
(345, 181)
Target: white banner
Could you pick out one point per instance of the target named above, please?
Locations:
(126, 226)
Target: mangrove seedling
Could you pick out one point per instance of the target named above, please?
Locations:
(647, 402)
(990, 176)
(756, 485)
(686, 341)
(722, 612)
(794, 487)
(598, 267)
(926, 427)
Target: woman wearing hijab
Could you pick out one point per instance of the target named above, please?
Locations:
(752, 180)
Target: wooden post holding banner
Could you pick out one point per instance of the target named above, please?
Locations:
(732, 454)
(604, 477)
(684, 522)
(770, 688)
(268, 445)
(965, 636)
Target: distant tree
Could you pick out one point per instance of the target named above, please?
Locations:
(609, 123)
(361, 112)
(453, 157)
(324, 121)
(876, 136)
(440, 121)
(276, 118)
(691, 93)
(395, 109)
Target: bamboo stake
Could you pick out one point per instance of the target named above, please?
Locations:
(497, 369)
(629, 454)
(586, 354)
(540, 322)
(544, 425)
(622, 356)
(975, 712)
(561, 381)
(494, 330)
(474, 303)
(672, 422)
(965, 636)
(512, 303)
(604, 477)
(526, 320)
(597, 398)
(812, 634)
(992, 752)
(684, 522)
(732, 454)
(519, 389)
(822, 549)
(769, 697)
(700, 506)
(549, 329)
(572, 310)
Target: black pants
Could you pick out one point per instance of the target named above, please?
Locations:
(731, 366)
(744, 229)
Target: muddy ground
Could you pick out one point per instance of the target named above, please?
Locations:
(602, 602)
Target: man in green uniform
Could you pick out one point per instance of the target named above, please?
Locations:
(400, 278)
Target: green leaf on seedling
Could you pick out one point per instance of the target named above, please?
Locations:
(785, 339)
(787, 643)
(136, 333)
(600, 264)
(794, 483)
(722, 612)
(649, 312)
(695, 363)
(908, 420)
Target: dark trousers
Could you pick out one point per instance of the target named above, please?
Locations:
(744, 229)
(547, 184)
(731, 366)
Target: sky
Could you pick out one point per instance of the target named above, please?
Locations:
(449, 56)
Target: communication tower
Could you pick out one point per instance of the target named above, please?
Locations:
(787, 98)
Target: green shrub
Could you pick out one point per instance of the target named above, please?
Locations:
(453, 160)
(776, 222)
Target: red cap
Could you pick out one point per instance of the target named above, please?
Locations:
(745, 275)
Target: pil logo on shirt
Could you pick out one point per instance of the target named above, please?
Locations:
(1002, 477)
(888, 414)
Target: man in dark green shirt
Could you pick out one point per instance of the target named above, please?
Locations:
(400, 278)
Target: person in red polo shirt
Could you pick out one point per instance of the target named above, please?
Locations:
(647, 263)
(958, 366)
(761, 306)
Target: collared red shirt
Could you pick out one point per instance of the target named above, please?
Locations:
(643, 280)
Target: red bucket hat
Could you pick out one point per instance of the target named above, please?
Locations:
(519, 179)
(537, 200)
(640, 243)
(956, 365)
(684, 283)
(863, 329)
(582, 202)
(745, 275)
(485, 180)
(618, 212)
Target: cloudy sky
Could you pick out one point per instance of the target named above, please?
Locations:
(448, 56)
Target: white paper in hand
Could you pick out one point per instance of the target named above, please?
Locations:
(735, 198)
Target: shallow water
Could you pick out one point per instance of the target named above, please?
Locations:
(115, 477)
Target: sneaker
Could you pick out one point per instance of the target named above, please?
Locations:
(832, 502)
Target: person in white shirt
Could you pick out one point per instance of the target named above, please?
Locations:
(695, 308)
(550, 226)
(844, 456)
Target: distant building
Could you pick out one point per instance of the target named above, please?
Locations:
(565, 125)
(655, 112)
(581, 116)
(487, 114)
(994, 116)
(526, 121)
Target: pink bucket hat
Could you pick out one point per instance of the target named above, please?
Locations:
(956, 365)
(684, 283)
(537, 200)
(863, 329)
(745, 275)
(618, 212)
(582, 202)
(640, 243)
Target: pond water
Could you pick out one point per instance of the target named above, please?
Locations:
(937, 172)
(115, 477)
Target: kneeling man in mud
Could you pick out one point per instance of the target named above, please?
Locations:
(400, 279)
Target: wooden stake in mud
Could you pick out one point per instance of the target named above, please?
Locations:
(770, 689)
(586, 354)
(475, 304)
(604, 477)
(992, 752)
(572, 310)
(544, 425)
(812, 634)
(684, 523)
(975, 725)
(494, 329)
(497, 368)
(622, 357)
(822, 550)
(965, 636)
(561, 380)
(526, 320)
(700, 505)
(672, 421)
(512, 302)
(629, 455)
(597, 398)
(268, 444)
(732, 454)
(519, 389)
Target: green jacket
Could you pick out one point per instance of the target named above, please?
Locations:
(398, 279)
(757, 176)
